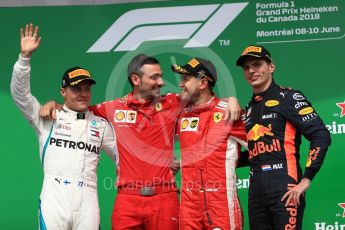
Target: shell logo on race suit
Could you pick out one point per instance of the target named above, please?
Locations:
(119, 116)
(125, 116)
(189, 124)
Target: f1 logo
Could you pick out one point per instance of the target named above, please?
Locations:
(201, 24)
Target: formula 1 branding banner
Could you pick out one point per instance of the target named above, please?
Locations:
(201, 27)
(306, 40)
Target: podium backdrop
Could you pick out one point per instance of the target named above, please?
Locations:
(306, 39)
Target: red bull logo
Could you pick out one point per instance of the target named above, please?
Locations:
(313, 153)
(292, 210)
(292, 220)
(262, 147)
(259, 131)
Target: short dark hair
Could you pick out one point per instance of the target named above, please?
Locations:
(136, 64)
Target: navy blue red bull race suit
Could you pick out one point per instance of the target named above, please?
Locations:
(275, 121)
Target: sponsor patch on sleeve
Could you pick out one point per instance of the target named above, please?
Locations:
(313, 153)
(306, 111)
(298, 97)
(222, 104)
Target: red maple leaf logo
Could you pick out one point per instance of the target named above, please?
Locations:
(342, 106)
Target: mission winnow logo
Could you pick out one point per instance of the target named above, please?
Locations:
(200, 25)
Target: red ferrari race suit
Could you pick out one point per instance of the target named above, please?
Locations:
(275, 121)
(147, 195)
(210, 151)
